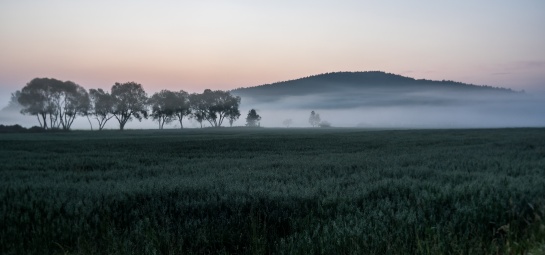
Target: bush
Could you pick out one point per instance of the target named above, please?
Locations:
(12, 129)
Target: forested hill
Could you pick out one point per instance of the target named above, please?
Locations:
(358, 82)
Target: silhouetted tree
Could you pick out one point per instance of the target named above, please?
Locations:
(162, 107)
(215, 106)
(287, 122)
(182, 106)
(130, 100)
(34, 98)
(102, 105)
(233, 112)
(252, 120)
(71, 100)
(314, 119)
(233, 117)
(197, 107)
(61, 101)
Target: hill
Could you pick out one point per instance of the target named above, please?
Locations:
(357, 80)
(353, 89)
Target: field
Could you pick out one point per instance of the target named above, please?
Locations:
(273, 191)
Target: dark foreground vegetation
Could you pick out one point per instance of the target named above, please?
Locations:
(261, 191)
(19, 129)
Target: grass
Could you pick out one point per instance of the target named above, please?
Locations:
(273, 191)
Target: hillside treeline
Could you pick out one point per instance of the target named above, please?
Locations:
(56, 104)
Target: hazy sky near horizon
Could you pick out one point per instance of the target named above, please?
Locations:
(193, 45)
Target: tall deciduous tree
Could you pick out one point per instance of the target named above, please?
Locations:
(35, 99)
(219, 105)
(182, 107)
(101, 106)
(130, 101)
(214, 107)
(71, 100)
(252, 120)
(162, 105)
(197, 107)
(233, 115)
(61, 101)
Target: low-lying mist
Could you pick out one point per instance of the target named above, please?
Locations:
(427, 109)
(372, 109)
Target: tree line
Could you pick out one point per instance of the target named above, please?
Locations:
(56, 104)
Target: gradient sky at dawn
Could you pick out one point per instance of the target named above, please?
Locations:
(193, 45)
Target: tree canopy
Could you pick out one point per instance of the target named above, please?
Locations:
(162, 107)
(182, 107)
(54, 101)
(215, 107)
(129, 101)
(56, 104)
(102, 105)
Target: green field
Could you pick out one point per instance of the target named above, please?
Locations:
(273, 191)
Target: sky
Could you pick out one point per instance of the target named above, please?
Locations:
(194, 45)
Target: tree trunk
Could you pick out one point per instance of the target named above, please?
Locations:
(39, 121)
(44, 117)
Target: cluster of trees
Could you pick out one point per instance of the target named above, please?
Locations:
(57, 103)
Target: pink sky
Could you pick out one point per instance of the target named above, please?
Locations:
(193, 45)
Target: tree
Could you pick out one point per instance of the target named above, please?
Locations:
(233, 117)
(314, 119)
(215, 106)
(102, 105)
(182, 106)
(129, 101)
(287, 122)
(162, 107)
(61, 101)
(230, 108)
(197, 107)
(34, 98)
(70, 100)
(252, 120)
(233, 112)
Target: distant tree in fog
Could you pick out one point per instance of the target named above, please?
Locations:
(314, 119)
(324, 124)
(233, 116)
(252, 120)
(13, 103)
(130, 101)
(101, 106)
(287, 123)
(55, 101)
